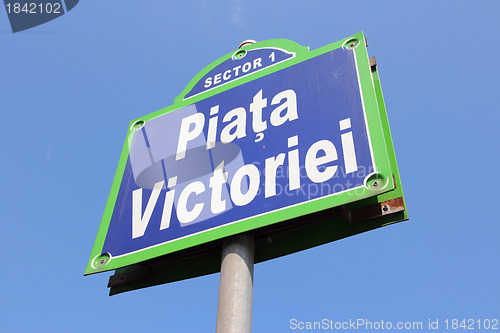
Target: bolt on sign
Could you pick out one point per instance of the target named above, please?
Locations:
(289, 144)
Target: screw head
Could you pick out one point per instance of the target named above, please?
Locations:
(351, 44)
(376, 183)
(247, 42)
(137, 125)
(101, 260)
(385, 208)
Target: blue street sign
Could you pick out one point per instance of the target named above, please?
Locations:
(266, 134)
(273, 143)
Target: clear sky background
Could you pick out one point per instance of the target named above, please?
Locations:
(69, 88)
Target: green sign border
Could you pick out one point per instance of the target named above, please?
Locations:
(381, 147)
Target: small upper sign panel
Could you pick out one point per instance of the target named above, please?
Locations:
(265, 134)
(241, 64)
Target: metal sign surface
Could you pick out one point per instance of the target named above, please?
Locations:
(266, 134)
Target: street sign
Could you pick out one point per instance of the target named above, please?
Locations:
(271, 139)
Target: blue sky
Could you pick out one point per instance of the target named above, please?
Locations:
(70, 87)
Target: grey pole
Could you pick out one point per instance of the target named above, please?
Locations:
(234, 308)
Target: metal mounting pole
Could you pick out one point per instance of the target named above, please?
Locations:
(234, 308)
